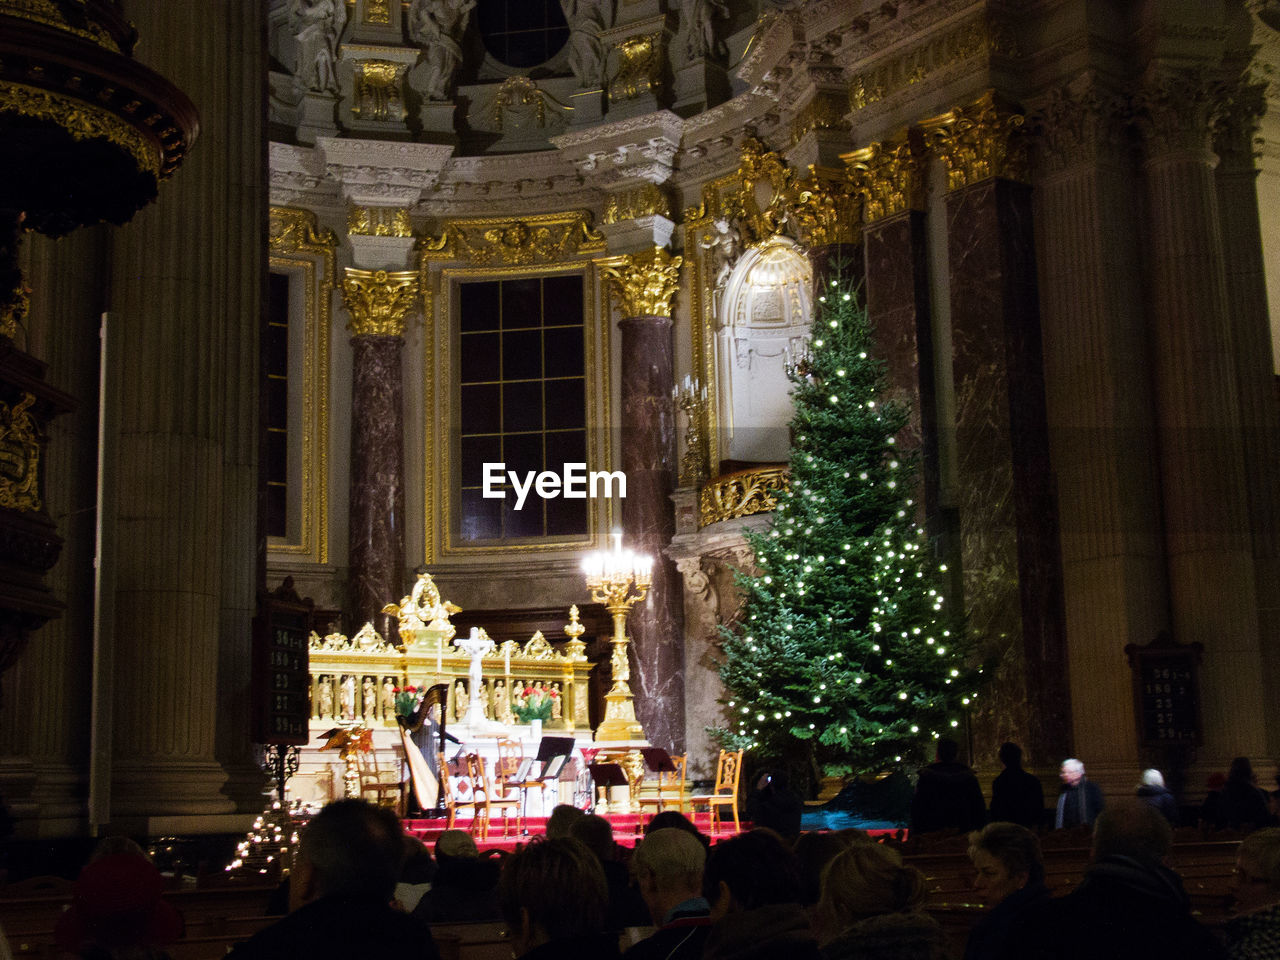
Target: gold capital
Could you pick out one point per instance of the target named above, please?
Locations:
(378, 300)
(981, 140)
(887, 176)
(645, 282)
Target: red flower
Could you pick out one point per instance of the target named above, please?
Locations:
(395, 689)
(411, 689)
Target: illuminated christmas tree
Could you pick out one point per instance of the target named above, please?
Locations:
(844, 653)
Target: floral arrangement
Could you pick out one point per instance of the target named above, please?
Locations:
(406, 700)
(533, 703)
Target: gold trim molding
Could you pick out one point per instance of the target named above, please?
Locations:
(645, 283)
(516, 242)
(296, 243)
(82, 120)
(639, 68)
(48, 13)
(378, 222)
(19, 456)
(741, 494)
(888, 176)
(646, 200)
(826, 210)
(377, 91)
(981, 140)
(378, 300)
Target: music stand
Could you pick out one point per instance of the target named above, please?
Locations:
(658, 760)
(607, 775)
(553, 754)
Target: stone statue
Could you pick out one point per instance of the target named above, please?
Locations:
(370, 700)
(557, 706)
(316, 26)
(437, 27)
(700, 40)
(347, 697)
(460, 700)
(502, 703)
(725, 244)
(326, 697)
(586, 19)
(388, 699)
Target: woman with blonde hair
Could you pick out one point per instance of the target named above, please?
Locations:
(870, 909)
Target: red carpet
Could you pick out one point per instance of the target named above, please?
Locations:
(627, 829)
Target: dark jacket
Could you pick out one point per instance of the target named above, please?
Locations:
(464, 890)
(1241, 805)
(683, 938)
(989, 936)
(598, 947)
(1078, 805)
(893, 936)
(777, 808)
(1017, 797)
(948, 797)
(340, 926)
(1122, 909)
(766, 933)
(1161, 799)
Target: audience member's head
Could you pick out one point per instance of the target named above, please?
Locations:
(418, 865)
(1152, 778)
(553, 890)
(667, 866)
(948, 750)
(1072, 772)
(1011, 755)
(1130, 828)
(1240, 771)
(454, 845)
(116, 909)
(117, 843)
(750, 871)
(1256, 883)
(675, 820)
(867, 880)
(561, 819)
(350, 847)
(596, 834)
(814, 850)
(1006, 857)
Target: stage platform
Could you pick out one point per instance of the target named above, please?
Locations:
(627, 829)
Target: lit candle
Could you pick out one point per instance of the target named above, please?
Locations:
(506, 660)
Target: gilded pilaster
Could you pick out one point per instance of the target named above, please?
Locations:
(378, 300)
(645, 284)
(889, 178)
(981, 140)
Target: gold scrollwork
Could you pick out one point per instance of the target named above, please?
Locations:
(48, 13)
(645, 283)
(377, 90)
(379, 300)
(82, 120)
(887, 175)
(519, 92)
(826, 210)
(741, 494)
(290, 229)
(19, 456)
(378, 222)
(518, 242)
(646, 200)
(377, 11)
(639, 68)
(981, 140)
(763, 174)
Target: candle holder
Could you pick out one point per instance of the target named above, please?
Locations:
(619, 579)
(691, 397)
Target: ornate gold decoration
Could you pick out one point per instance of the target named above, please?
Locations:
(619, 580)
(981, 140)
(691, 397)
(49, 13)
(297, 244)
(379, 300)
(639, 68)
(423, 613)
(377, 11)
(967, 41)
(523, 92)
(645, 283)
(574, 631)
(12, 316)
(646, 200)
(19, 456)
(537, 648)
(741, 494)
(888, 178)
(82, 120)
(826, 111)
(377, 90)
(540, 239)
(763, 174)
(826, 210)
(378, 222)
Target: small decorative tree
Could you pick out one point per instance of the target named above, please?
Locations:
(844, 653)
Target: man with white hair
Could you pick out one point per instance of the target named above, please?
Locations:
(1154, 793)
(1080, 801)
(667, 866)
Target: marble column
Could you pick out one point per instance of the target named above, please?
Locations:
(186, 306)
(1008, 509)
(378, 301)
(1208, 544)
(644, 288)
(1235, 130)
(1103, 448)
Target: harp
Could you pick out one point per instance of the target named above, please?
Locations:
(425, 780)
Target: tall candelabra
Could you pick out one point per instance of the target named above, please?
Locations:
(619, 579)
(691, 397)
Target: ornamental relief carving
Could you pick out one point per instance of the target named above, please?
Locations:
(516, 242)
(19, 456)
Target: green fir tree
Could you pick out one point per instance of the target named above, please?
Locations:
(844, 653)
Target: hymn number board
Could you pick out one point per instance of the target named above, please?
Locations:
(1166, 685)
(280, 675)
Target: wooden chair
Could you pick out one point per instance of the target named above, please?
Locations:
(486, 798)
(458, 789)
(377, 785)
(725, 794)
(670, 787)
(507, 768)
